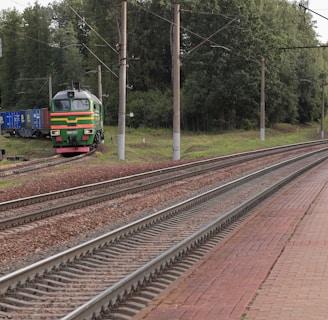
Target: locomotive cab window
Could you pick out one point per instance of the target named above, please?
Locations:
(61, 105)
(81, 104)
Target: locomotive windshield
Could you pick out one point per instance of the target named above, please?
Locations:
(81, 104)
(61, 105)
(77, 105)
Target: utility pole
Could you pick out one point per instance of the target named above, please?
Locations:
(100, 84)
(176, 83)
(323, 110)
(122, 83)
(50, 88)
(262, 124)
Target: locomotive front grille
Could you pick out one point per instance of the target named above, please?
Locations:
(72, 132)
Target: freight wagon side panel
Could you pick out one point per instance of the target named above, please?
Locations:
(45, 119)
(26, 123)
(2, 121)
(17, 119)
(37, 120)
(44, 125)
(12, 121)
(25, 118)
(9, 120)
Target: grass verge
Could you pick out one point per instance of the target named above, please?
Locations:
(150, 145)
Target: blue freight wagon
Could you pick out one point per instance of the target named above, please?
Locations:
(27, 123)
(12, 122)
(30, 122)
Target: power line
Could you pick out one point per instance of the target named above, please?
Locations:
(212, 13)
(304, 47)
(206, 39)
(212, 35)
(82, 18)
(306, 8)
(85, 46)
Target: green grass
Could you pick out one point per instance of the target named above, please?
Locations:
(26, 148)
(150, 145)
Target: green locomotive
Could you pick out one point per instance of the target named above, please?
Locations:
(76, 120)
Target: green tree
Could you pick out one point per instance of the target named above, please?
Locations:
(222, 44)
(11, 35)
(35, 58)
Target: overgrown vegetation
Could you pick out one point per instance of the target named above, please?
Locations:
(222, 45)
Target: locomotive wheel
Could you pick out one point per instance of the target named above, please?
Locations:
(96, 141)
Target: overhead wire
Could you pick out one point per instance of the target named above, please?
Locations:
(306, 8)
(91, 28)
(212, 35)
(186, 29)
(205, 39)
(86, 47)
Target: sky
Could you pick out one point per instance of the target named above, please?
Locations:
(318, 6)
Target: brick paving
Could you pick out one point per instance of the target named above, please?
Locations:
(275, 266)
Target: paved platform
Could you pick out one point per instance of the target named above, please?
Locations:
(275, 266)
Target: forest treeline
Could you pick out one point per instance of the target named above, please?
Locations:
(222, 45)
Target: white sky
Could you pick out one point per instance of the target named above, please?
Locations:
(20, 5)
(319, 6)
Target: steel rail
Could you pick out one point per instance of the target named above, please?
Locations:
(44, 213)
(37, 164)
(41, 163)
(76, 190)
(44, 274)
(117, 293)
(8, 282)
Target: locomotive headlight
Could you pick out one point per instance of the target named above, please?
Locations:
(70, 94)
(89, 131)
(55, 133)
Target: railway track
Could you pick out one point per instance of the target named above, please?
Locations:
(90, 280)
(37, 164)
(22, 211)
